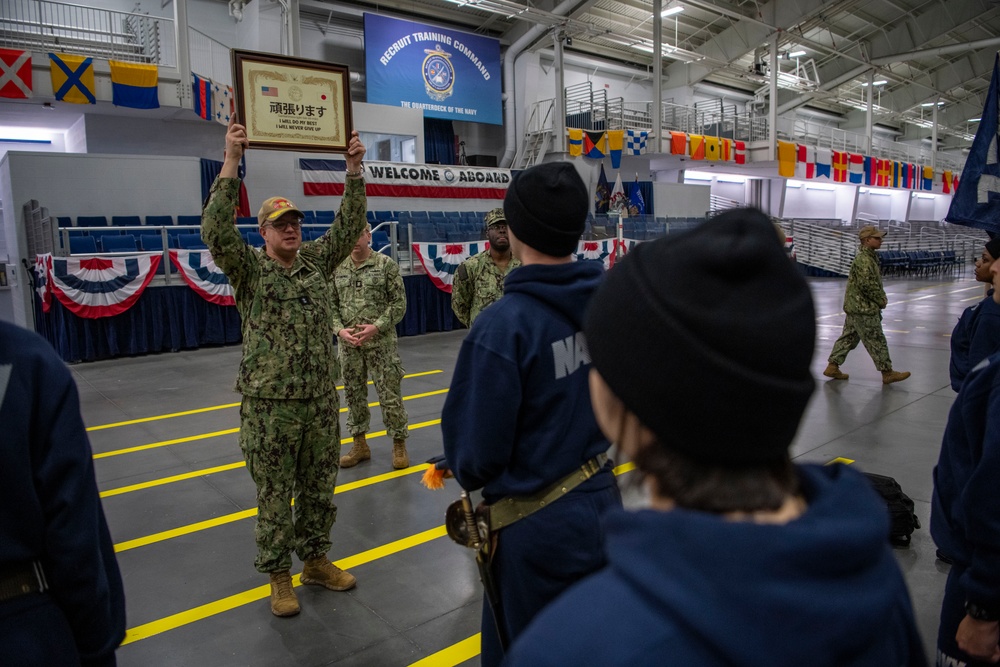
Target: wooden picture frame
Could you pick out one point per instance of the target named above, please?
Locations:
(289, 103)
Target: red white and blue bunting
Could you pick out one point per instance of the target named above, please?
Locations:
(199, 271)
(94, 287)
(43, 266)
(441, 260)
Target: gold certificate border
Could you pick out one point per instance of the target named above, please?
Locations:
(300, 86)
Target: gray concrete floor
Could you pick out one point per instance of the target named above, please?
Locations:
(180, 503)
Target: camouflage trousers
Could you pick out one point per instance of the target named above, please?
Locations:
(865, 329)
(386, 369)
(292, 448)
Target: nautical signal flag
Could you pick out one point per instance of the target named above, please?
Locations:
(635, 141)
(15, 74)
(823, 160)
(615, 140)
(712, 149)
(856, 168)
(840, 166)
(678, 143)
(807, 158)
(72, 78)
(202, 96)
(594, 144)
(927, 182)
(884, 173)
(575, 141)
(696, 146)
(134, 85)
(727, 150)
(871, 168)
(946, 182)
(786, 159)
(223, 101)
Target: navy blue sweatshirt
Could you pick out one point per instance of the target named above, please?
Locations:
(975, 337)
(52, 511)
(965, 509)
(518, 414)
(691, 588)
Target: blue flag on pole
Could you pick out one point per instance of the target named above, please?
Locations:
(602, 197)
(976, 202)
(638, 204)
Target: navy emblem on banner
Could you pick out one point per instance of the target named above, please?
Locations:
(439, 74)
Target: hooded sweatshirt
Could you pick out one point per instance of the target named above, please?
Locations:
(690, 588)
(965, 507)
(518, 415)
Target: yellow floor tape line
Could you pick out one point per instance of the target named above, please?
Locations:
(455, 654)
(204, 611)
(246, 514)
(225, 406)
(231, 466)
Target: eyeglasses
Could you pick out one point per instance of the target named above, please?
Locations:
(283, 225)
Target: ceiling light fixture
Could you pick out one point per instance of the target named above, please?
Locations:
(880, 82)
(796, 54)
(670, 11)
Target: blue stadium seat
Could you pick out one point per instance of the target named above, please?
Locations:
(126, 221)
(312, 234)
(91, 221)
(248, 220)
(189, 220)
(151, 242)
(372, 220)
(120, 243)
(191, 242)
(79, 245)
(379, 240)
(160, 220)
(64, 221)
(254, 239)
(382, 216)
(326, 214)
(324, 220)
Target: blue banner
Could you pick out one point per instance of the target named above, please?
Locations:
(448, 73)
(976, 202)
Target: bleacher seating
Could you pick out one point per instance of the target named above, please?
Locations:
(64, 221)
(120, 243)
(151, 242)
(126, 221)
(79, 245)
(247, 220)
(379, 240)
(254, 239)
(382, 216)
(91, 221)
(159, 220)
(190, 241)
(189, 220)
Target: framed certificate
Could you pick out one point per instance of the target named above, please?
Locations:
(291, 103)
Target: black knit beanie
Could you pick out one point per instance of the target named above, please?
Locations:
(993, 247)
(707, 337)
(546, 207)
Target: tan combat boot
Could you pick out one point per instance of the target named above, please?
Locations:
(890, 376)
(359, 452)
(400, 459)
(833, 371)
(321, 572)
(283, 600)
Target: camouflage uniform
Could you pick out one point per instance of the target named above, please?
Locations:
(478, 283)
(289, 417)
(371, 294)
(863, 303)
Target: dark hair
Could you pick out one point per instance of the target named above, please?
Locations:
(706, 487)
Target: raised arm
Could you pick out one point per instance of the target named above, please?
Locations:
(336, 244)
(218, 218)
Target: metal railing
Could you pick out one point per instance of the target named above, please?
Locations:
(44, 25)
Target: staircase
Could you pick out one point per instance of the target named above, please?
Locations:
(532, 149)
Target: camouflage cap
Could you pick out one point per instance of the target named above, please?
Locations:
(274, 208)
(494, 217)
(868, 231)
